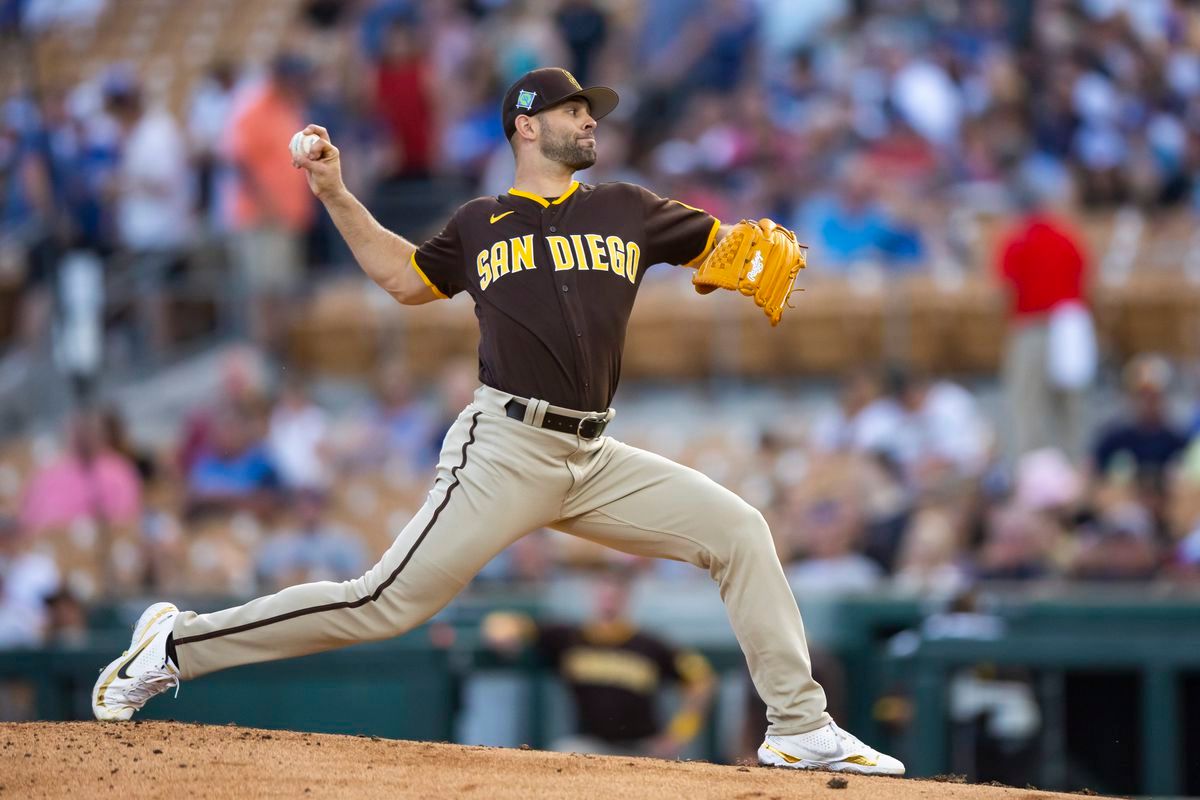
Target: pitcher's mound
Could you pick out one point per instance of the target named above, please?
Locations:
(80, 760)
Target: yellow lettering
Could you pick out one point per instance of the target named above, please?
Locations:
(560, 251)
(484, 269)
(595, 244)
(577, 243)
(616, 252)
(500, 258)
(621, 668)
(522, 253)
(576, 251)
(632, 254)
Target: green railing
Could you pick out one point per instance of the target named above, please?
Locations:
(1156, 640)
(402, 689)
(408, 688)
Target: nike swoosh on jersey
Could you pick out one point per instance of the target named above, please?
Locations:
(497, 217)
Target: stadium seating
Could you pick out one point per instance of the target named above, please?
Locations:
(169, 44)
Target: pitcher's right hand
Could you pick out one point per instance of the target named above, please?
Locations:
(322, 163)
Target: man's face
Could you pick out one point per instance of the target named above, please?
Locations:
(612, 597)
(568, 134)
(231, 433)
(1149, 404)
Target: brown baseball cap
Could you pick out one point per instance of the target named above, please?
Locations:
(542, 88)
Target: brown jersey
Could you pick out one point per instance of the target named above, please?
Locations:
(614, 673)
(554, 281)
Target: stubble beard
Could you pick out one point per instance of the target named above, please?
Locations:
(566, 150)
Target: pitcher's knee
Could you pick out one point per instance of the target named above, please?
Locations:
(369, 583)
(758, 533)
(748, 534)
(383, 617)
(389, 606)
(362, 586)
(376, 614)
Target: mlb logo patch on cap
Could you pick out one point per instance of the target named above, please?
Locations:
(544, 88)
(525, 99)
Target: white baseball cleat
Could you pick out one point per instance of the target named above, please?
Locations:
(142, 671)
(828, 748)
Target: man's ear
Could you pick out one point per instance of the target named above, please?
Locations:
(527, 126)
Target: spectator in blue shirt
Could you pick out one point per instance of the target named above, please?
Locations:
(852, 225)
(1144, 441)
(235, 473)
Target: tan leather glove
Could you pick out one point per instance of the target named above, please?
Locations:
(759, 259)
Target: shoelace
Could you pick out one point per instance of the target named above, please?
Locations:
(853, 741)
(147, 685)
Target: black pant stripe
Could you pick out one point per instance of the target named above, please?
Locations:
(362, 600)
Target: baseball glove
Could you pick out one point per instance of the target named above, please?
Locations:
(760, 260)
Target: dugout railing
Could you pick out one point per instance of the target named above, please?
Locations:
(900, 657)
(1151, 643)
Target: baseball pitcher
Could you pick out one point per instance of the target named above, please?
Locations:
(552, 267)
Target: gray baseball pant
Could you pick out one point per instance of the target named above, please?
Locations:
(499, 478)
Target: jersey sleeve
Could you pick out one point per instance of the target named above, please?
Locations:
(677, 233)
(440, 261)
(683, 666)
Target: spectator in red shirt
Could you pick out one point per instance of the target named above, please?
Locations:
(1042, 264)
(402, 100)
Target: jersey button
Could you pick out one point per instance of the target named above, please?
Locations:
(553, 229)
(579, 333)
(566, 289)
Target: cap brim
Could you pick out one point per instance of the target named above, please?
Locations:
(601, 100)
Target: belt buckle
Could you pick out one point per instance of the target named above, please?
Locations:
(593, 430)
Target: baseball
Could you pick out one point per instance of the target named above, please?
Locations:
(302, 144)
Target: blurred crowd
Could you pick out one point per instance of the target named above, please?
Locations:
(868, 125)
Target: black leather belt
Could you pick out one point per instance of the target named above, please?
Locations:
(584, 428)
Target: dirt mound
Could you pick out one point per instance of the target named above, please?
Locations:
(163, 759)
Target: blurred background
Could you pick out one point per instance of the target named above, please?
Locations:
(975, 435)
